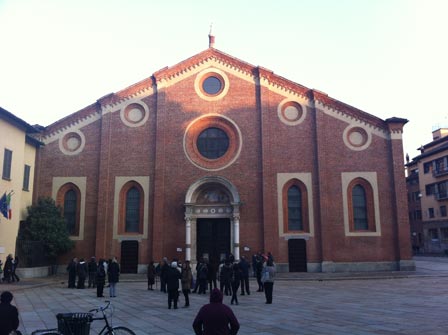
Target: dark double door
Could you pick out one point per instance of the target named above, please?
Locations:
(297, 255)
(213, 238)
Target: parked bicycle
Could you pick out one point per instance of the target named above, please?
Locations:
(79, 324)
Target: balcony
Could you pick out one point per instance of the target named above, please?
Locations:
(440, 171)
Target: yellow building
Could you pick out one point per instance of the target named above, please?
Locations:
(17, 164)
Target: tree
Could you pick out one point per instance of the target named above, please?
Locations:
(45, 223)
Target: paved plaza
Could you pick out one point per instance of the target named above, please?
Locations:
(386, 303)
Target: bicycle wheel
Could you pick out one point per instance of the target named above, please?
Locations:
(120, 331)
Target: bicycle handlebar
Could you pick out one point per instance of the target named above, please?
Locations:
(101, 308)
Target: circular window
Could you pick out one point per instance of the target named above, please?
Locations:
(72, 143)
(212, 85)
(291, 112)
(134, 114)
(356, 138)
(213, 143)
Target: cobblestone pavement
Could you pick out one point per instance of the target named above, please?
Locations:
(406, 304)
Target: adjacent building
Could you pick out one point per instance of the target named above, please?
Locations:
(17, 163)
(214, 156)
(427, 188)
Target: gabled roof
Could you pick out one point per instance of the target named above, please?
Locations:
(16, 121)
(211, 54)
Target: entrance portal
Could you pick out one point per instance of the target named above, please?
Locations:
(297, 255)
(129, 257)
(213, 239)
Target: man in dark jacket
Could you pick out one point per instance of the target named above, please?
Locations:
(215, 318)
(72, 270)
(9, 316)
(92, 266)
(81, 271)
(244, 266)
(172, 284)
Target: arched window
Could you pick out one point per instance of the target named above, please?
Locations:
(295, 207)
(131, 209)
(70, 203)
(69, 198)
(359, 200)
(361, 209)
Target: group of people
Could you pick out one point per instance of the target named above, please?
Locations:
(231, 275)
(9, 269)
(95, 273)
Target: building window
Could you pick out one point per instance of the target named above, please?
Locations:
(295, 207)
(431, 212)
(7, 161)
(443, 211)
(433, 234)
(427, 167)
(361, 207)
(131, 208)
(418, 214)
(69, 198)
(444, 233)
(213, 143)
(430, 189)
(212, 85)
(26, 178)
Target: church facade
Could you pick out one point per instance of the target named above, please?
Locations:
(214, 156)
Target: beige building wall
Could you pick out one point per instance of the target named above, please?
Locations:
(14, 139)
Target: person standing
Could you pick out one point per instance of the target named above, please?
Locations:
(259, 269)
(113, 276)
(215, 317)
(236, 279)
(202, 278)
(225, 277)
(82, 273)
(100, 278)
(244, 267)
(172, 284)
(15, 264)
(7, 269)
(9, 315)
(268, 280)
(71, 268)
(151, 275)
(92, 267)
(186, 278)
(163, 273)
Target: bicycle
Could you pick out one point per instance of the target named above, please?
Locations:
(79, 323)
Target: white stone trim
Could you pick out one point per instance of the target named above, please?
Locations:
(345, 138)
(371, 177)
(119, 183)
(306, 179)
(81, 183)
(286, 121)
(79, 149)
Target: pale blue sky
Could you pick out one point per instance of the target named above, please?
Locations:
(386, 57)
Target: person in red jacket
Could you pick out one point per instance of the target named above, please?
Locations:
(215, 318)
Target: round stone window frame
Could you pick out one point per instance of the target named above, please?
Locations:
(365, 141)
(287, 103)
(207, 73)
(197, 126)
(124, 113)
(64, 140)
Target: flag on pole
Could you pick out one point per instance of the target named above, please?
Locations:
(8, 204)
(4, 206)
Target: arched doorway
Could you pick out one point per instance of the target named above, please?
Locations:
(211, 219)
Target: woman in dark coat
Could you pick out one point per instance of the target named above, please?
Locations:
(151, 274)
(71, 268)
(100, 278)
(113, 274)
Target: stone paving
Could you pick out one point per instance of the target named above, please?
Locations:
(380, 304)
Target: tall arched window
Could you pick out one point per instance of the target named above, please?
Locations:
(70, 204)
(359, 200)
(69, 198)
(361, 207)
(131, 209)
(295, 207)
